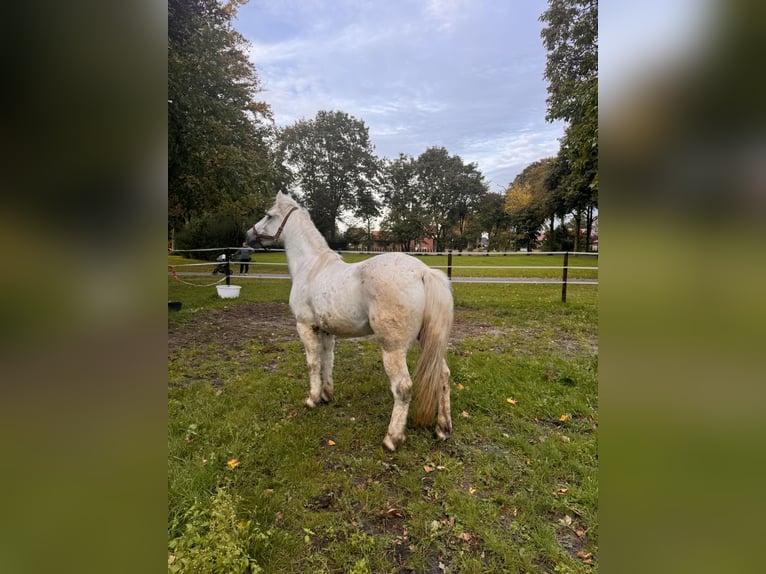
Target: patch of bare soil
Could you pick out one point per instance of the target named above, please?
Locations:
(235, 327)
(238, 326)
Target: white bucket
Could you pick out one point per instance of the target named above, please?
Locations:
(228, 291)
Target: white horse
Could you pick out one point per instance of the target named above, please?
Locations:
(393, 296)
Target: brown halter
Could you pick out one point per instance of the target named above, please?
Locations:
(259, 236)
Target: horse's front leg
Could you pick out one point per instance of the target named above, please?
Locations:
(395, 363)
(312, 343)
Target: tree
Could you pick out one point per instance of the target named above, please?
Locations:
(490, 217)
(450, 191)
(526, 201)
(405, 222)
(331, 161)
(217, 130)
(571, 38)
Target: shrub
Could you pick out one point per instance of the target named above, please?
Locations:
(212, 230)
(213, 540)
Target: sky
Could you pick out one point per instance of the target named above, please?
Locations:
(463, 74)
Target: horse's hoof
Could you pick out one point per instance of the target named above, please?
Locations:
(326, 397)
(390, 444)
(441, 434)
(309, 403)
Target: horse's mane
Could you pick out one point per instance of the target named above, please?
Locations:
(311, 234)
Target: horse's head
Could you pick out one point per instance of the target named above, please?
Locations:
(273, 223)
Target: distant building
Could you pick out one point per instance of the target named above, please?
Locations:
(425, 244)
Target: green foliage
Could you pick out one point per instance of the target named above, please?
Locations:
(331, 160)
(571, 38)
(450, 192)
(435, 195)
(215, 229)
(217, 131)
(223, 227)
(213, 540)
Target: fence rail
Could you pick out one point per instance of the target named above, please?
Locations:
(564, 279)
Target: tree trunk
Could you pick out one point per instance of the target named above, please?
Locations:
(588, 226)
(578, 219)
(551, 235)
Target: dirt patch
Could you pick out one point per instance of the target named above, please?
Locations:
(238, 326)
(235, 327)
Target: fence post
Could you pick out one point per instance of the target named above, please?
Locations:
(564, 278)
(449, 264)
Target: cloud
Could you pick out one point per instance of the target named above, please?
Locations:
(445, 13)
(466, 75)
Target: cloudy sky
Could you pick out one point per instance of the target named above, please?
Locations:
(463, 74)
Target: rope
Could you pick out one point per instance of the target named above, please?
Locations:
(197, 284)
(175, 276)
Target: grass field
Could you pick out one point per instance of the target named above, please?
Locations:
(258, 483)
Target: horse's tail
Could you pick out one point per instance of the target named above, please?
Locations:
(434, 336)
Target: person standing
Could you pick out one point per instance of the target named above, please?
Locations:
(244, 259)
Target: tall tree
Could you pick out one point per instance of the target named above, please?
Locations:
(451, 192)
(490, 218)
(332, 162)
(526, 201)
(406, 221)
(217, 130)
(571, 38)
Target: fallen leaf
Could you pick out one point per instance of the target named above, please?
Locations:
(460, 386)
(330, 442)
(560, 491)
(512, 401)
(562, 418)
(465, 415)
(429, 468)
(232, 463)
(565, 438)
(582, 555)
(566, 521)
(471, 490)
(465, 536)
(580, 533)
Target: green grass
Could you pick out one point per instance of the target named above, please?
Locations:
(513, 490)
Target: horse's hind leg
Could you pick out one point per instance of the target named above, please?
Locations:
(395, 363)
(327, 349)
(444, 417)
(312, 343)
